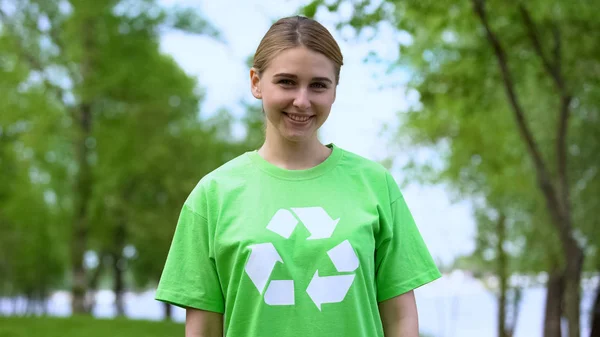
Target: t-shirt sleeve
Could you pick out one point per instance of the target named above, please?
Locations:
(189, 277)
(402, 260)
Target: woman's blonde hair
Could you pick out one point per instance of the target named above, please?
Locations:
(293, 32)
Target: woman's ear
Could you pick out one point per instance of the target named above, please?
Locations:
(255, 83)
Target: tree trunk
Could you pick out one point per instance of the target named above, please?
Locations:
(95, 277)
(29, 304)
(515, 302)
(83, 180)
(46, 306)
(15, 306)
(94, 281)
(554, 298)
(118, 266)
(595, 319)
(118, 285)
(572, 293)
(80, 226)
(43, 299)
(502, 275)
(556, 191)
(168, 312)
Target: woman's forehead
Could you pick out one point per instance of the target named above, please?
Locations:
(301, 62)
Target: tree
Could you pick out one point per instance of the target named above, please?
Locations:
(196, 149)
(149, 145)
(492, 259)
(530, 62)
(32, 167)
(89, 59)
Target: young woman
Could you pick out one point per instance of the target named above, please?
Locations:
(297, 238)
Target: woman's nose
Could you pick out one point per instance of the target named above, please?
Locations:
(301, 100)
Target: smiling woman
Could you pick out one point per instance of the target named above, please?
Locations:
(297, 238)
(295, 73)
(297, 90)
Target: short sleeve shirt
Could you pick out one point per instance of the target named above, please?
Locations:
(295, 252)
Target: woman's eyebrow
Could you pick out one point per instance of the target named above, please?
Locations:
(292, 76)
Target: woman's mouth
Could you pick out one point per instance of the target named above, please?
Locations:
(298, 118)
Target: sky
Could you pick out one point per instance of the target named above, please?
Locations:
(368, 97)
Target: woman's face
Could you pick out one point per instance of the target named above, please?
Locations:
(297, 89)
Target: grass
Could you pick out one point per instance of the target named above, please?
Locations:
(85, 327)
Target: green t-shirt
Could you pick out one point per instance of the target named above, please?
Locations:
(295, 252)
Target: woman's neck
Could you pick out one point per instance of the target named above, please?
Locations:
(294, 155)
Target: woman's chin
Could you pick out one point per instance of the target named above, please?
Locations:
(298, 137)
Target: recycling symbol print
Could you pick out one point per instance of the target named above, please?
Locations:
(321, 289)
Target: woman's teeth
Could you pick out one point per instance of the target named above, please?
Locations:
(299, 118)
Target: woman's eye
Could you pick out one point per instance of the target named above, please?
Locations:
(286, 82)
(319, 85)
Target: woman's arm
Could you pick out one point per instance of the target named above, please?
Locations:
(201, 323)
(399, 316)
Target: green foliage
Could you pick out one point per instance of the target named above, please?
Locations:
(311, 9)
(32, 167)
(188, 20)
(254, 120)
(147, 148)
(464, 115)
(85, 326)
(501, 87)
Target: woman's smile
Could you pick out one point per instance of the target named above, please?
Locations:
(298, 119)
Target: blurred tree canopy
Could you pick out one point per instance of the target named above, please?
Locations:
(101, 141)
(508, 97)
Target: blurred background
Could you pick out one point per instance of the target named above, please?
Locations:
(485, 111)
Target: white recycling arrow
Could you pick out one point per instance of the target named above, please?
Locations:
(283, 223)
(280, 292)
(260, 265)
(343, 257)
(329, 289)
(317, 221)
(264, 257)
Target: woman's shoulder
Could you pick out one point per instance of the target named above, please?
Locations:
(354, 161)
(231, 173)
(231, 168)
(375, 173)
